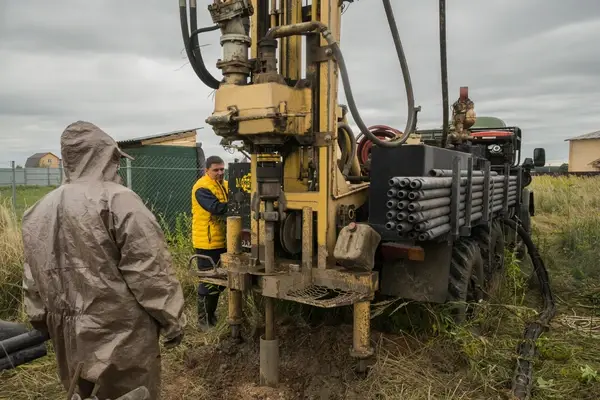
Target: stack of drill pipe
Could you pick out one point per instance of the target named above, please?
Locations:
(22, 348)
(419, 208)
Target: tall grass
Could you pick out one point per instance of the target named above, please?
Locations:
(11, 262)
(471, 361)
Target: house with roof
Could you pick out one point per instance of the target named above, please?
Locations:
(185, 138)
(584, 152)
(43, 160)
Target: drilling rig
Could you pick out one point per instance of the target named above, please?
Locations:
(322, 217)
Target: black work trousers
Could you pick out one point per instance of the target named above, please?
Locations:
(208, 294)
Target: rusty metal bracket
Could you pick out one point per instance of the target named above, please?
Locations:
(455, 200)
(314, 52)
(323, 139)
(465, 230)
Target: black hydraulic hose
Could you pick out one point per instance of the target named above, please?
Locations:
(352, 139)
(196, 63)
(198, 31)
(523, 375)
(444, 71)
(410, 123)
(210, 81)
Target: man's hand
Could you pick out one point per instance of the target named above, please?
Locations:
(169, 344)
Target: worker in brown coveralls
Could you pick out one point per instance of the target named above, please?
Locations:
(98, 273)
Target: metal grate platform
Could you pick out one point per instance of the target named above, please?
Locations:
(324, 297)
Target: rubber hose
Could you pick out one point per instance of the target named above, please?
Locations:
(204, 30)
(352, 139)
(381, 131)
(410, 123)
(523, 375)
(212, 81)
(198, 66)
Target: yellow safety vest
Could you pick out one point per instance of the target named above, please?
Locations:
(208, 231)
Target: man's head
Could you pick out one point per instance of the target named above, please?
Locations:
(90, 153)
(215, 168)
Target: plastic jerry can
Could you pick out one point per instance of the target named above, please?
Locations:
(355, 247)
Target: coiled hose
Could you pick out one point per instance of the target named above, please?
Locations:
(190, 42)
(523, 375)
(365, 144)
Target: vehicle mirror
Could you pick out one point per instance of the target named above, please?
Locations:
(539, 157)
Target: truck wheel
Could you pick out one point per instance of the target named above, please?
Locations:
(497, 267)
(491, 244)
(466, 277)
(525, 219)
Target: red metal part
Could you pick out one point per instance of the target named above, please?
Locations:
(382, 132)
(491, 134)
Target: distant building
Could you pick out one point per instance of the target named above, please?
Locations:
(584, 152)
(186, 138)
(43, 160)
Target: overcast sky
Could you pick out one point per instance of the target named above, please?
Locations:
(120, 65)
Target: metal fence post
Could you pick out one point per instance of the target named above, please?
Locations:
(14, 186)
(60, 171)
(48, 173)
(128, 166)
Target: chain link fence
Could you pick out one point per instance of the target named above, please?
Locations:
(162, 176)
(163, 183)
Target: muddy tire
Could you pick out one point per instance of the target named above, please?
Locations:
(525, 219)
(466, 277)
(491, 244)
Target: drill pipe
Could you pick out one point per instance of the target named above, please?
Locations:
(402, 215)
(422, 216)
(448, 172)
(391, 214)
(434, 193)
(393, 192)
(445, 219)
(432, 223)
(399, 182)
(440, 230)
(437, 183)
(438, 202)
(402, 204)
(392, 203)
(404, 227)
(402, 194)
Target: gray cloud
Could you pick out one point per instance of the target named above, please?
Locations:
(120, 64)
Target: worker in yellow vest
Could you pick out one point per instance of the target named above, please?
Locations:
(209, 209)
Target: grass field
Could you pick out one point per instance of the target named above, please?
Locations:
(419, 361)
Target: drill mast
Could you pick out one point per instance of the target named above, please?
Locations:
(307, 184)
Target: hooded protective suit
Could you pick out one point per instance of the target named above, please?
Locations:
(98, 271)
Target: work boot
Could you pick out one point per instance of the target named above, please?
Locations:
(207, 306)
